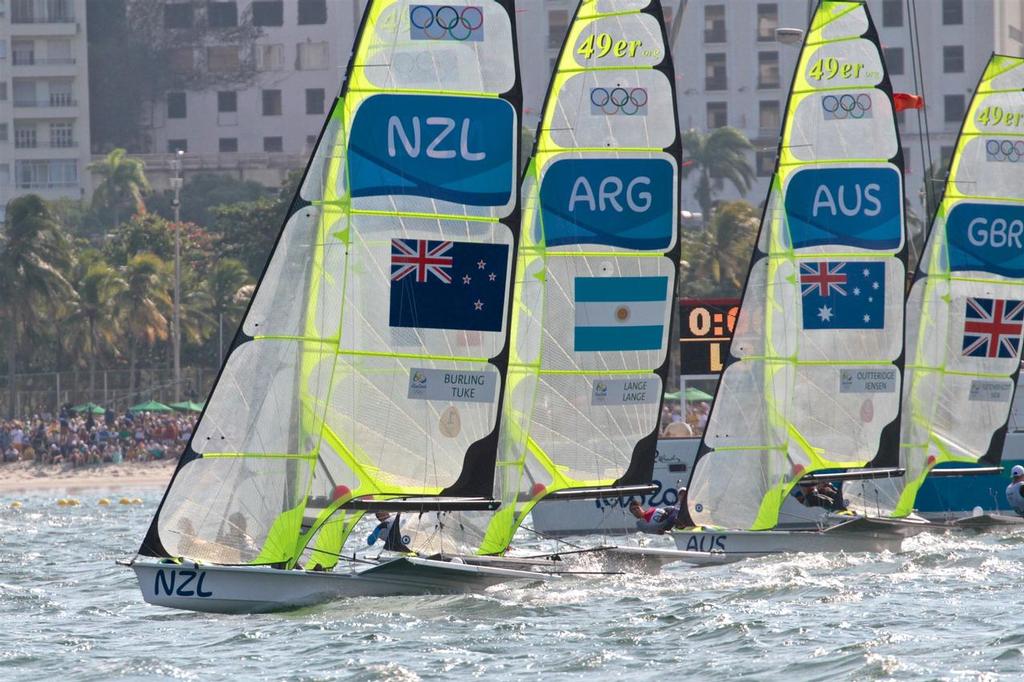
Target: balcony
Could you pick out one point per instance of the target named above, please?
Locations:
(28, 59)
(45, 144)
(56, 101)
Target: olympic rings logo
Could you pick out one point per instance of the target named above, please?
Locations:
(1005, 150)
(615, 101)
(445, 22)
(846, 106)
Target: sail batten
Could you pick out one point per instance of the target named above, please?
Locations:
(812, 377)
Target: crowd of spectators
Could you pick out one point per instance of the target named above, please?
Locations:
(75, 440)
(676, 424)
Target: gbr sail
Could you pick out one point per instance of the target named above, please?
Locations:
(812, 379)
(965, 312)
(373, 357)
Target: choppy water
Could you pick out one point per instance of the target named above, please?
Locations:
(949, 607)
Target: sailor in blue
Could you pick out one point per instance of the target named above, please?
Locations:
(389, 530)
(1013, 491)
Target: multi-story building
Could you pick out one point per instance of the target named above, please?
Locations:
(733, 72)
(44, 99)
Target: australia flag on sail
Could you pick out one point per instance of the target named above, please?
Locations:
(992, 327)
(448, 285)
(843, 295)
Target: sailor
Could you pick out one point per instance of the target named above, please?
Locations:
(822, 494)
(1013, 491)
(654, 520)
(389, 529)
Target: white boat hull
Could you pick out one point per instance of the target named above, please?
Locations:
(259, 589)
(986, 522)
(857, 535)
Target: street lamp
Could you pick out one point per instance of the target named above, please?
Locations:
(176, 183)
(789, 36)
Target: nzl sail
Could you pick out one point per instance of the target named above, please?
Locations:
(965, 312)
(814, 369)
(372, 359)
(597, 267)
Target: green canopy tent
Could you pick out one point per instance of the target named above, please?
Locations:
(187, 406)
(674, 395)
(695, 395)
(150, 406)
(90, 408)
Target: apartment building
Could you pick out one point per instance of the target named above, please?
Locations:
(44, 99)
(733, 72)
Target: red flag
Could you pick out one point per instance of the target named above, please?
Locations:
(906, 101)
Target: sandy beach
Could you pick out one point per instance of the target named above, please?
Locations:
(27, 477)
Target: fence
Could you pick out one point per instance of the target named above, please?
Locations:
(47, 391)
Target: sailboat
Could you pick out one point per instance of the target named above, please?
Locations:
(965, 311)
(369, 368)
(594, 291)
(811, 385)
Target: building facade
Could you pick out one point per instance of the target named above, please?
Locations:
(44, 99)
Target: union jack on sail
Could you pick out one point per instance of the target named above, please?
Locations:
(992, 327)
(422, 257)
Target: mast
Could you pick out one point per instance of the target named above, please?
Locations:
(813, 374)
(965, 311)
(370, 363)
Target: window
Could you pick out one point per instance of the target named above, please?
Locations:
(273, 144)
(227, 145)
(270, 57)
(271, 102)
(669, 14)
(3, 91)
(177, 106)
(952, 12)
(892, 12)
(23, 52)
(268, 13)
(181, 60)
(312, 12)
(46, 174)
(906, 160)
(227, 101)
(714, 23)
(953, 59)
(767, 69)
(178, 15)
(222, 14)
(718, 115)
(953, 106)
(767, 21)
(223, 59)
(175, 146)
(3, 48)
(313, 56)
(62, 135)
(314, 100)
(58, 51)
(893, 59)
(25, 136)
(945, 156)
(558, 25)
(3, 132)
(764, 161)
(714, 71)
(310, 142)
(60, 94)
(769, 116)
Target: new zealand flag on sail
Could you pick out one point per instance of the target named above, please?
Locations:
(448, 285)
(843, 295)
(992, 327)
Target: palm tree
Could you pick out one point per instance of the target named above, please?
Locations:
(225, 281)
(121, 188)
(721, 254)
(34, 255)
(92, 324)
(718, 156)
(143, 306)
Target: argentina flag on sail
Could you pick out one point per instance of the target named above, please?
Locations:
(620, 313)
(448, 285)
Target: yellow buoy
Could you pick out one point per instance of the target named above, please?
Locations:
(72, 502)
(16, 505)
(136, 500)
(62, 502)
(103, 502)
(124, 500)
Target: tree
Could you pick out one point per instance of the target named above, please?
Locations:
(144, 233)
(719, 156)
(204, 191)
(720, 255)
(143, 305)
(120, 191)
(92, 324)
(34, 255)
(225, 282)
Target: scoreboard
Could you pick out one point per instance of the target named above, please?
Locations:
(705, 327)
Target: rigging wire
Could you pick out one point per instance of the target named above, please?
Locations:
(924, 134)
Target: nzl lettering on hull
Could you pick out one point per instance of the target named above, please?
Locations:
(986, 238)
(859, 207)
(452, 148)
(627, 203)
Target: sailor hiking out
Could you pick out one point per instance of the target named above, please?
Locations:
(1013, 491)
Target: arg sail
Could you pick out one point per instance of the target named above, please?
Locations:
(812, 379)
(965, 312)
(372, 360)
